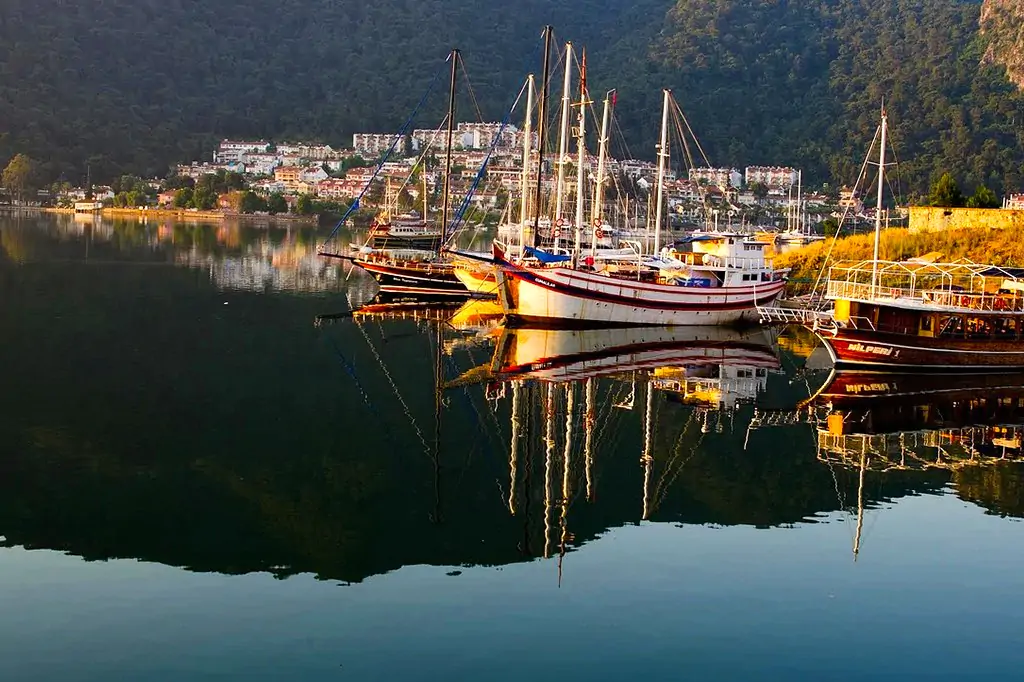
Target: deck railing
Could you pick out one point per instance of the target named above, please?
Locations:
(964, 300)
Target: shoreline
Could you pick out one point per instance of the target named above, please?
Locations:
(181, 214)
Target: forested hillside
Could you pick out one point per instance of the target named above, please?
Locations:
(137, 85)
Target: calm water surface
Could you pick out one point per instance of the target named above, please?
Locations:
(210, 470)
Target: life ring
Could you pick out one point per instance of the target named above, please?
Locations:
(560, 222)
(965, 301)
(558, 233)
(597, 222)
(599, 233)
(1000, 304)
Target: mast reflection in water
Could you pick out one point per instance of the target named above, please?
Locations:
(175, 443)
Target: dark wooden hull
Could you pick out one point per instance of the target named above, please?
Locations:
(868, 349)
(424, 242)
(434, 280)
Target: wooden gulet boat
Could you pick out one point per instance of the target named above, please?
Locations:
(722, 282)
(919, 314)
(424, 276)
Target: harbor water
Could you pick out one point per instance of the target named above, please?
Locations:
(223, 458)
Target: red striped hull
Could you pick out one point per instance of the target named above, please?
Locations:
(854, 348)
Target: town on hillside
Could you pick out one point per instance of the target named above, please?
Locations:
(261, 177)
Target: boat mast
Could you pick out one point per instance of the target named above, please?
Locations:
(598, 209)
(662, 158)
(527, 144)
(448, 153)
(581, 147)
(878, 205)
(542, 113)
(563, 135)
(426, 204)
(799, 218)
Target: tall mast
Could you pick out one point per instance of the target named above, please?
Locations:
(598, 210)
(662, 158)
(799, 200)
(542, 113)
(426, 201)
(581, 147)
(527, 144)
(878, 205)
(448, 153)
(563, 135)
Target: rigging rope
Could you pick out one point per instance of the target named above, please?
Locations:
(461, 212)
(399, 136)
(846, 212)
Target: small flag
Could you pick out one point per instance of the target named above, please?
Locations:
(615, 97)
(583, 72)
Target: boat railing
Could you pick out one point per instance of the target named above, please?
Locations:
(942, 298)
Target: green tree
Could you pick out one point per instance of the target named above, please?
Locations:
(983, 197)
(277, 204)
(183, 197)
(305, 205)
(204, 197)
(19, 176)
(946, 193)
(252, 203)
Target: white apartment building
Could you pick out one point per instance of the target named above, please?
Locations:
(1014, 202)
(782, 177)
(261, 163)
(374, 144)
(231, 151)
(723, 178)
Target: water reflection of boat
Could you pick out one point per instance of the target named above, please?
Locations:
(913, 421)
(568, 355)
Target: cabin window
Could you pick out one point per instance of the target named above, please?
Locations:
(978, 328)
(1004, 328)
(951, 326)
(926, 323)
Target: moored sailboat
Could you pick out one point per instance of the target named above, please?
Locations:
(919, 313)
(723, 281)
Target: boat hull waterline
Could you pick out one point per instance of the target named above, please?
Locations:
(853, 348)
(413, 280)
(564, 297)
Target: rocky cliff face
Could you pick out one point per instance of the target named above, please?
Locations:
(1002, 23)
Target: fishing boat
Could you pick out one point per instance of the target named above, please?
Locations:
(920, 313)
(722, 280)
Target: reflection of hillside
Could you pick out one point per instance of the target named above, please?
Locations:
(265, 443)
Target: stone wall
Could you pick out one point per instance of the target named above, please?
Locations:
(931, 219)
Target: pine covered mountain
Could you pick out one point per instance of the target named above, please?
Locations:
(137, 85)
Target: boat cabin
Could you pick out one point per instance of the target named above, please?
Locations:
(960, 300)
(716, 259)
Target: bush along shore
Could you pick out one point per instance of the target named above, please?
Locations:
(979, 244)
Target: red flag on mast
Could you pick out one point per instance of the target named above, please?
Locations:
(583, 73)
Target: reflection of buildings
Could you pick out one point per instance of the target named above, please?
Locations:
(237, 255)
